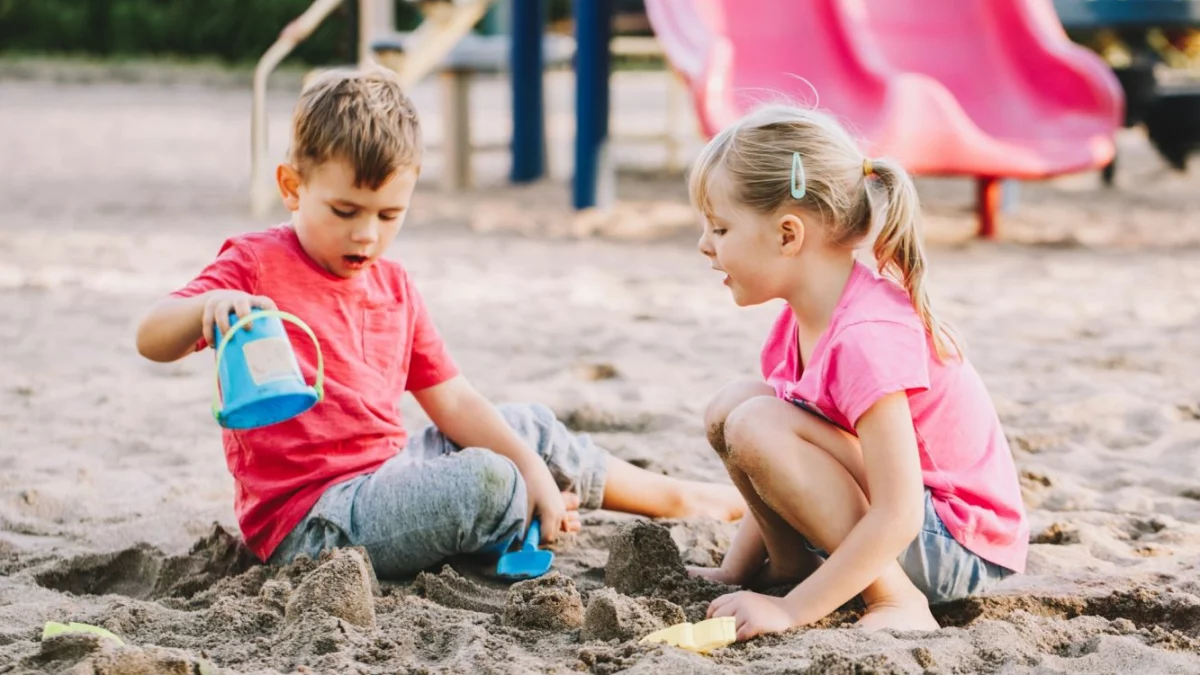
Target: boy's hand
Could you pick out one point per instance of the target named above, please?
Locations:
(218, 305)
(558, 511)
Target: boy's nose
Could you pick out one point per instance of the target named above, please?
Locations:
(705, 245)
(366, 233)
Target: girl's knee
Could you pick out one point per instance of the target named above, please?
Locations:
(728, 399)
(748, 426)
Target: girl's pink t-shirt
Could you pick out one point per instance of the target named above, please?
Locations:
(876, 345)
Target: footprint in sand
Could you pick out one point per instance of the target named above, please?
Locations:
(144, 572)
(588, 418)
(449, 589)
(596, 372)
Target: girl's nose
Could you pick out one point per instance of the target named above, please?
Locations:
(705, 245)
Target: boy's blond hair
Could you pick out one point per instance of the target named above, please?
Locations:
(358, 115)
(756, 153)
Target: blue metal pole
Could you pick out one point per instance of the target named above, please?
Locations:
(528, 107)
(593, 29)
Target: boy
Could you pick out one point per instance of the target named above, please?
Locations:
(345, 473)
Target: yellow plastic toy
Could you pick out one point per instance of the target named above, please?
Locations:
(53, 628)
(701, 638)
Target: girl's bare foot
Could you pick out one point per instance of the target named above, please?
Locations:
(906, 611)
(716, 574)
(789, 573)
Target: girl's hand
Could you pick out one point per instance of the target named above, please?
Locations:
(218, 305)
(755, 613)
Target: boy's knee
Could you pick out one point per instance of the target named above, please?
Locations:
(494, 497)
(744, 427)
(728, 399)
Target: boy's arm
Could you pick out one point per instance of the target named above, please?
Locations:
(171, 329)
(173, 326)
(468, 419)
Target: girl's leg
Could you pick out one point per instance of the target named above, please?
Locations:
(766, 550)
(811, 474)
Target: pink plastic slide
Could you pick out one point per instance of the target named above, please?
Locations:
(985, 88)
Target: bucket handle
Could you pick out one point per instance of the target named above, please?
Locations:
(319, 385)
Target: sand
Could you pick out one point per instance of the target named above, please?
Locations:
(116, 507)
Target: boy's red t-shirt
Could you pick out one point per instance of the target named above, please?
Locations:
(378, 342)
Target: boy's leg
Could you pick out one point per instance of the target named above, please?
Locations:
(604, 481)
(418, 510)
(808, 472)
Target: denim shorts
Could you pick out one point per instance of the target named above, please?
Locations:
(434, 500)
(939, 566)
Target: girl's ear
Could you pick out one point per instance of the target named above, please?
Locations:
(791, 234)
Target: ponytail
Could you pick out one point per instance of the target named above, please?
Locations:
(900, 256)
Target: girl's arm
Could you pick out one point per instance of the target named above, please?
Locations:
(893, 520)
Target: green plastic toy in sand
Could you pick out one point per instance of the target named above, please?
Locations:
(53, 628)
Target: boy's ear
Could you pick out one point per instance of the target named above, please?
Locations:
(791, 233)
(288, 179)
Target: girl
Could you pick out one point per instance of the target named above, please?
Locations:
(872, 443)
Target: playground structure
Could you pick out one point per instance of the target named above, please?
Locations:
(1169, 111)
(1018, 100)
(444, 26)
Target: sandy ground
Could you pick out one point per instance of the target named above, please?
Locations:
(116, 508)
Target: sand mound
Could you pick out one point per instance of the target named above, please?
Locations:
(612, 616)
(340, 587)
(550, 602)
(85, 654)
(641, 555)
(644, 560)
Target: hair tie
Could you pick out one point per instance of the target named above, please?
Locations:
(868, 168)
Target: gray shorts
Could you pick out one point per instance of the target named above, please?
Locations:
(434, 499)
(939, 566)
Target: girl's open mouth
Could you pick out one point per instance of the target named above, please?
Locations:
(354, 261)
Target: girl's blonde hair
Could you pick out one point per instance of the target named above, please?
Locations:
(757, 152)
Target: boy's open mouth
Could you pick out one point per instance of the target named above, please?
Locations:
(354, 261)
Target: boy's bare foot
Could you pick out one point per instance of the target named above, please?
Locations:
(901, 612)
(709, 500)
(571, 522)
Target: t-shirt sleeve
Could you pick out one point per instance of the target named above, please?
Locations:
(431, 363)
(235, 268)
(873, 359)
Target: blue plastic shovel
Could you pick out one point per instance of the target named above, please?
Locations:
(527, 562)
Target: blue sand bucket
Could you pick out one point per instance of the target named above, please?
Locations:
(258, 373)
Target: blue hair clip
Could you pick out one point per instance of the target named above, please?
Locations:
(799, 184)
